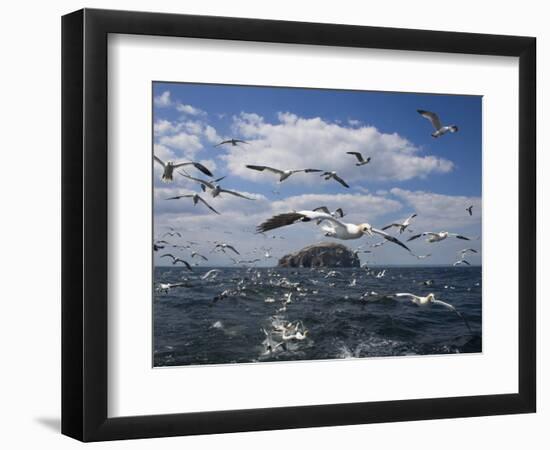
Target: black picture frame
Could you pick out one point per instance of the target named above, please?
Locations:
(84, 224)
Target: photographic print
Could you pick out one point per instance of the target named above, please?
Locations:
(300, 224)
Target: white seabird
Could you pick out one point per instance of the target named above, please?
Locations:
(176, 260)
(403, 225)
(169, 166)
(440, 130)
(211, 274)
(466, 250)
(360, 160)
(223, 246)
(334, 176)
(431, 300)
(214, 188)
(196, 198)
(437, 236)
(334, 228)
(233, 142)
(461, 261)
(165, 287)
(283, 174)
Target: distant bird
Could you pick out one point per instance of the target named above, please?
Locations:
(439, 236)
(283, 174)
(423, 256)
(165, 287)
(360, 160)
(381, 274)
(176, 260)
(377, 244)
(267, 253)
(402, 226)
(169, 166)
(196, 198)
(440, 130)
(193, 254)
(356, 252)
(171, 234)
(334, 176)
(469, 209)
(223, 246)
(211, 274)
(335, 228)
(431, 300)
(233, 142)
(466, 250)
(214, 188)
(461, 261)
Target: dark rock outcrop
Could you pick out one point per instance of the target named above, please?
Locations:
(324, 254)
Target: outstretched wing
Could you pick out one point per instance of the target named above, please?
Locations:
(323, 209)
(432, 117)
(392, 225)
(407, 294)
(208, 206)
(459, 236)
(390, 238)
(223, 142)
(160, 161)
(452, 308)
(416, 236)
(177, 197)
(169, 255)
(230, 247)
(358, 155)
(280, 220)
(241, 141)
(340, 180)
(187, 265)
(198, 180)
(262, 168)
(197, 165)
(238, 194)
(340, 212)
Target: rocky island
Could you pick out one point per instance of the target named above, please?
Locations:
(324, 254)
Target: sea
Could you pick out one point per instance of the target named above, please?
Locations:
(235, 315)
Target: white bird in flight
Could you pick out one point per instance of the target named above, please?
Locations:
(402, 226)
(461, 261)
(214, 188)
(334, 176)
(233, 142)
(196, 198)
(466, 250)
(283, 174)
(440, 130)
(211, 274)
(335, 228)
(437, 236)
(169, 166)
(223, 246)
(431, 300)
(360, 160)
(165, 287)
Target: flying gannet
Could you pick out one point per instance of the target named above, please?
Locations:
(233, 142)
(176, 260)
(437, 236)
(334, 176)
(214, 188)
(223, 246)
(333, 228)
(403, 225)
(360, 160)
(283, 174)
(165, 287)
(196, 198)
(440, 130)
(431, 300)
(169, 166)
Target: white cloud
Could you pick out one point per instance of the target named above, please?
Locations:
(295, 142)
(189, 144)
(163, 100)
(189, 110)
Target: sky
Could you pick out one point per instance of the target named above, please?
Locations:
(295, 128)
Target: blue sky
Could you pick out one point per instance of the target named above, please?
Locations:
(296, 128)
